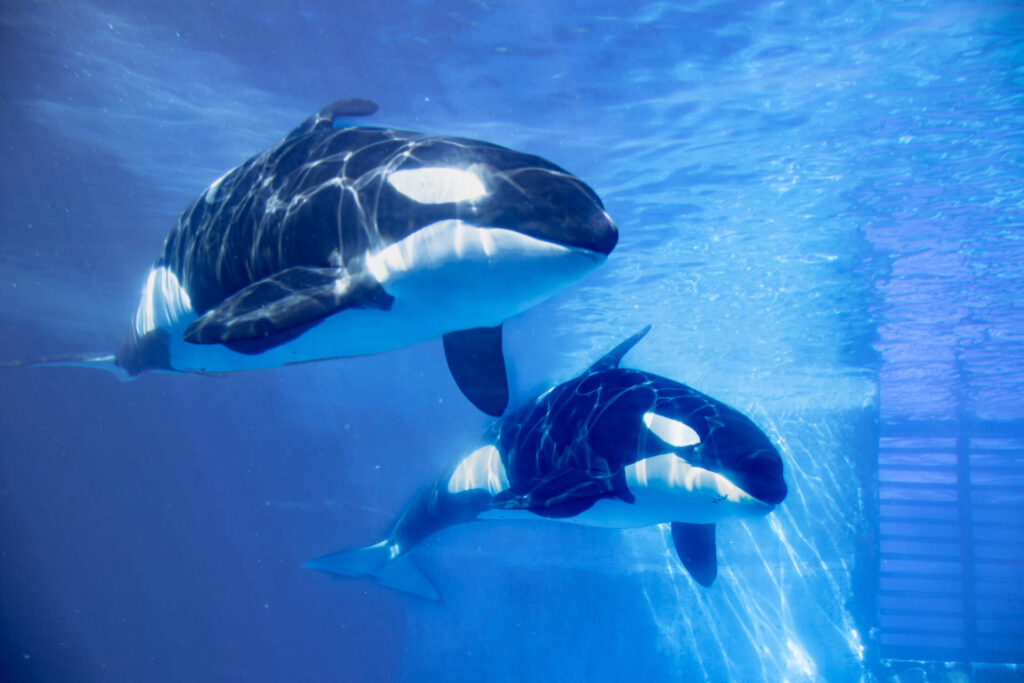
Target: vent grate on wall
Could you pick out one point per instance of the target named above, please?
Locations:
(951, 541)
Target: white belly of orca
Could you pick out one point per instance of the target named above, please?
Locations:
(446, 277)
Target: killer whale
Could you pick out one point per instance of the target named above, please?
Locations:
(613, 447)
(343, 240)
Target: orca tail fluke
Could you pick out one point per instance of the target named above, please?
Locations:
(100, 361)
(376, 564)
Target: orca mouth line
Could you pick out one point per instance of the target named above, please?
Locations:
(769, 502)
(597, 256)
(769, 496)
(756, 507)
(760, 504)
(596, 252)
(763, 482)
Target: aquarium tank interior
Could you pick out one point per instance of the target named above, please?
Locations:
(818, 208)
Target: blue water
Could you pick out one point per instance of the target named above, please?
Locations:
(821, 211)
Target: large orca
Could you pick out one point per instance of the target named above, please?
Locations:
(613, 447)
(344, 240)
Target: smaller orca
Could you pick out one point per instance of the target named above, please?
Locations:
(614, 447)
(344, 240)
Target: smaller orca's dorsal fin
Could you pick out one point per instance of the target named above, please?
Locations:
(338, 112)
(614, 357)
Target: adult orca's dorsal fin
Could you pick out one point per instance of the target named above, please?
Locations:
(337, 113)
(614, 357)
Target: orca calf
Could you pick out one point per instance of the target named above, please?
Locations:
(613, 447)
(344, 240)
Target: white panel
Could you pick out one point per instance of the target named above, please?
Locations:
(481, 469)
(669, 489)
(455, 242)
(163, 302)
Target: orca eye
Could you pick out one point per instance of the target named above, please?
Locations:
(438, 184)
(673, 432)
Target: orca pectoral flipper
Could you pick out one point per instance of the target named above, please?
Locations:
(564, 494)
(695, 545)
(477, 364)
(285, 301)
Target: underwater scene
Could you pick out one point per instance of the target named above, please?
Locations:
(464, 340)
